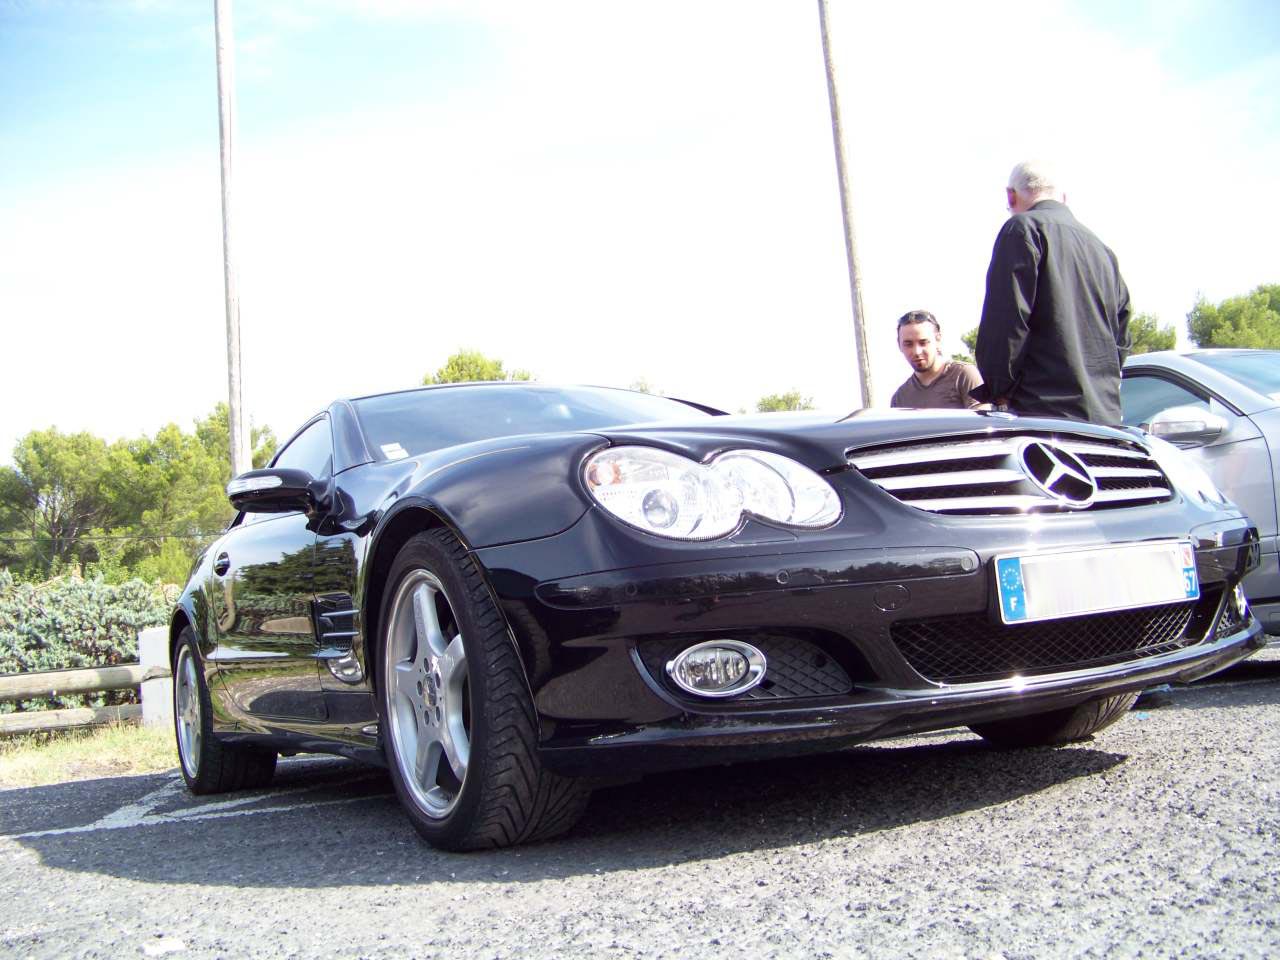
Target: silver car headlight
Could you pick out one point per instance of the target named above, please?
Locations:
(672, 496)
(1187, 475)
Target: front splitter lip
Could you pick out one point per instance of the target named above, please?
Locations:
(693, 740)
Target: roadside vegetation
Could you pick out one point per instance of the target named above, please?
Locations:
(1251, 321)
(68, 622)
(119, 750)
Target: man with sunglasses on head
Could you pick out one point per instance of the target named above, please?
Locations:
(1055, 322)
(935, 382)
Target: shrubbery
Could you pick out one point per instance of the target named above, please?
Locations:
(69, 623)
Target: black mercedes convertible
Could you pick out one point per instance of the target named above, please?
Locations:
(506, 592)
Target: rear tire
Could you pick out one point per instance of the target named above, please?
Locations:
(459, 728)
(209, 765)
(1057, 726)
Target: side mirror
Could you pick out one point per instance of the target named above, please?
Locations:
(1187, 426)
(275, 491)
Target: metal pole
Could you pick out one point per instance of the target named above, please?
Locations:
(850, 246)
(241, 460)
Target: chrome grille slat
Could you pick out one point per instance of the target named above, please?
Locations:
(1118, 496)
(984, 474)
(950, 451)
(916, 481)
(1019, 502)
(1114, 473)
(1085, 449)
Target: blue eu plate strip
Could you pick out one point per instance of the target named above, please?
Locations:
(1013, 596)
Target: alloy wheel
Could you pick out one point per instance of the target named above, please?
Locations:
(186, 697)
(425, 672)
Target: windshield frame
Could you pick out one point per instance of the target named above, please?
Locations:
(576, 419)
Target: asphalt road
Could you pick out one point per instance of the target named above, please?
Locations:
(1158, 838)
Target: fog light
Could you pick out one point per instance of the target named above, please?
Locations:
(717, 668)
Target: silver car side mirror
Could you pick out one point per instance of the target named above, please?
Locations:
(1187, 426)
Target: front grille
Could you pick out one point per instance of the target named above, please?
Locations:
(984, 474)
(795, 667)
(972, 648)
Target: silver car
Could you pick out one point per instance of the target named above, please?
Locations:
(1222, 407)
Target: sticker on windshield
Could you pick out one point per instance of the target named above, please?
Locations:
(393, 451)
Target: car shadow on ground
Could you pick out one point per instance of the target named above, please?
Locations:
(334, 823)
(1251, 683)
(1264, 665)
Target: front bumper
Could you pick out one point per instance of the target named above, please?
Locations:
(695, 739)
(604, 706)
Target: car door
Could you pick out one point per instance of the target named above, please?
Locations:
(267, 649)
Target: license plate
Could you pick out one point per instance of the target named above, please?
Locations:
(1046, 586)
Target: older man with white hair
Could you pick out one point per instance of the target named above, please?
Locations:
(1055, 322)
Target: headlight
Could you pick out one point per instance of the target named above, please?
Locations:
(1187, 475)
(673, 496)
(663, 493)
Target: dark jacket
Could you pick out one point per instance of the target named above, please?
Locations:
(1055, 322)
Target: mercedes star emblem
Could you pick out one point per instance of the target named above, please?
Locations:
(1058, 474)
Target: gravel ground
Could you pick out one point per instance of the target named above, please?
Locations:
(1156, 839)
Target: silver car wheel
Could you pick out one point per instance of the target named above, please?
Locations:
(186, 703)
(425, 673)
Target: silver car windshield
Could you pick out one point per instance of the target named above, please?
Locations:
(1257, 369)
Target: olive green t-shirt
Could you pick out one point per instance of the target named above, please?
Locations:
(950, 389)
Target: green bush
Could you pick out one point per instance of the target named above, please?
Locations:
(68, 623)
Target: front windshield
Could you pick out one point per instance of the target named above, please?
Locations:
(1256, 369)
(419, 421)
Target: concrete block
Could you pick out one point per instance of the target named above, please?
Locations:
(157, 695)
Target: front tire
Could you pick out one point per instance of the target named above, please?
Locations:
(459, 729)
(209, 765)
(1057, 726)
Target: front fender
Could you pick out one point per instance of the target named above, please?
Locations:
(523, 488)
(500, 492)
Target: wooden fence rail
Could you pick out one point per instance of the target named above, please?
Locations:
(51, 683)
(38, 721)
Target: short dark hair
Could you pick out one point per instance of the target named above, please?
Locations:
(919, 316)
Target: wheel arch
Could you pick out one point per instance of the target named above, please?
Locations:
(182, 619)
(408, 519)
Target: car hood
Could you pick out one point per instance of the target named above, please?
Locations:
(822, 440)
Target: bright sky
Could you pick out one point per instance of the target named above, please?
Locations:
(596, 192)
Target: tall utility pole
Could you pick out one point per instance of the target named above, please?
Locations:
(850, 246)
(241, 459)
